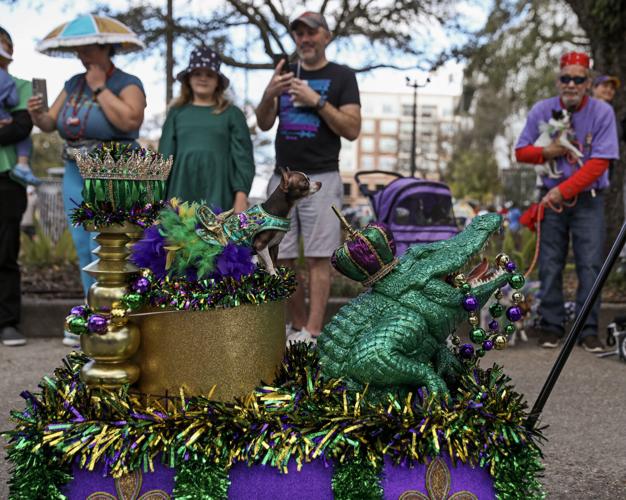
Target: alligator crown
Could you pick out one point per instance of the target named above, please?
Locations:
(367, 255)
(139, 165)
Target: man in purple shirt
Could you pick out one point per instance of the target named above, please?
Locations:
(574, 202)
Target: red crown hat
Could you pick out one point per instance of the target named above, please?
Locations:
(579, 58)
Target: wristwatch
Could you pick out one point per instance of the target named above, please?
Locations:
(97, 91)
(321, 102)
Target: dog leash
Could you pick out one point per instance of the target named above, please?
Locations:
(540, 212)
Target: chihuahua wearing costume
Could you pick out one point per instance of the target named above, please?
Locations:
(556, 129)
(263, 226)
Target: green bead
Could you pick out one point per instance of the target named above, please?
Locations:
(517, 281)
(480, 352)
(133, 300)
(496, 310)
(509, 329)
(78, 325)
(466, 288)
(478, 335)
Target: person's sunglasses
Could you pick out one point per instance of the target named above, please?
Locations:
(578, 80)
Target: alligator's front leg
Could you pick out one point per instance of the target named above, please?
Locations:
(448, 365)
(397, 351)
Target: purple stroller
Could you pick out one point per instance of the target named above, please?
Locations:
(416, 210)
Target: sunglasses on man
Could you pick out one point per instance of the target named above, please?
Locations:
(578, 80)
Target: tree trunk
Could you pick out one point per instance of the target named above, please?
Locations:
(169, 52)
(604, 22)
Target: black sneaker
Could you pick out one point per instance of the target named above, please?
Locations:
(12, 337)
(592, 343)
(549, 340)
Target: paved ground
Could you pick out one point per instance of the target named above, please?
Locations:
(585, 456)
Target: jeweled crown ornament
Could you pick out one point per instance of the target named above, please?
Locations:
(122, 176)
(367, 255)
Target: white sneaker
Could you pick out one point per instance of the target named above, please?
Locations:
(71, 339)
(302, 336)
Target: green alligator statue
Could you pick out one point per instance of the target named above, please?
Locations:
(393, 337)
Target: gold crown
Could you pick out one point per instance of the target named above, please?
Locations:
(139, 165)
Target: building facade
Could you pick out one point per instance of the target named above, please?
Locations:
(386, 135)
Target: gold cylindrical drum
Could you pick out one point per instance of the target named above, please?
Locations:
(233, 349)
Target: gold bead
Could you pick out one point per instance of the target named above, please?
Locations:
(499, 342)
(498, 294)
(473, 319)
(502, 259)
(517, 297)
(459, 279)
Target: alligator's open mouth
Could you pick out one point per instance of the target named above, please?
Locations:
(481, 272)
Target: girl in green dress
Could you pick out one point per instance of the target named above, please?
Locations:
(208, 137)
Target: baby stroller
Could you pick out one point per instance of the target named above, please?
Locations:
(416, 210)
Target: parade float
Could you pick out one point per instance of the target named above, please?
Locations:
(183, 387)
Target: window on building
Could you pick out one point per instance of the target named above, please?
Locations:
(387, 162)
(347, 189)
(389, 127)
(367, 127)
(388, 108)
(407, 110)
(428, 111)
(367, 144)
(368, 162)
(388, 145)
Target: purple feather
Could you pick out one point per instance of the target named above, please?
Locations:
(149, 252)
(361, 253)
(234, 261)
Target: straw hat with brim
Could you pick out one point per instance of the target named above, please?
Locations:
(63, 40)
(204, 58)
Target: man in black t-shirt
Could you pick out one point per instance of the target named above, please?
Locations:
(316, 102)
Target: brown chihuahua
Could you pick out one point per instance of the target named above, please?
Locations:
(293, 187)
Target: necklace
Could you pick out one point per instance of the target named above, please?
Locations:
(72, 107)
(494, 337)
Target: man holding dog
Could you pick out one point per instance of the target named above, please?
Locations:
(573, 203)
(316, 102)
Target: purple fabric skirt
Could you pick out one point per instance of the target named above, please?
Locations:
(313, 482)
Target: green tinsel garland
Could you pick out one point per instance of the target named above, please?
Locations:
(357, 479)
(303, 416)
(199, 479)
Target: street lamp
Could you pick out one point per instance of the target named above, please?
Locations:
(414, 85)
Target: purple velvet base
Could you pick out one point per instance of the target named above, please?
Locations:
(313, 482)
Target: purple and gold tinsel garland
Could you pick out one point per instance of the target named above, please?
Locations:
(166, 293)
(300, 417)
(106, 215)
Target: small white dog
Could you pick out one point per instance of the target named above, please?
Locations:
(555, 129)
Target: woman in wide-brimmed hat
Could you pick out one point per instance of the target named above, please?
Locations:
(209, 138)
(100, 105)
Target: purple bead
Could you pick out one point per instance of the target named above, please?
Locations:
(97, 324)
(470, 303)
(510, 266)
(78, 311)
(142, 285)
(494, 325)
(488, 345)
(466, 351)
(514, 314)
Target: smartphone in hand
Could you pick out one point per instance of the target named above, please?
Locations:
(40, 89)
(282, 57)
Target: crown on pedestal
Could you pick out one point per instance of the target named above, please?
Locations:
(367, 255)
(124, 164)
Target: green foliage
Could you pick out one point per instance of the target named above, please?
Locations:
(40, 250)
(473, 174)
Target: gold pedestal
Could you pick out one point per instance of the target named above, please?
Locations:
(230, 349)
(111, 353)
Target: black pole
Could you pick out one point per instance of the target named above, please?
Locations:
(414, 85)
(578, 325)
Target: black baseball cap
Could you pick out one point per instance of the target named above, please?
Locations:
(311, 19)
